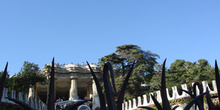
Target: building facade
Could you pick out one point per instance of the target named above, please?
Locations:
(72, 82)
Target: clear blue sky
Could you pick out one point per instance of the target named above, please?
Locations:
(86, 30)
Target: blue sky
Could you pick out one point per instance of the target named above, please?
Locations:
(86, 30)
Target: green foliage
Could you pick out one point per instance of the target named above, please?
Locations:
(184, 72)
(8, 80)
(26, 78)
(122, 60)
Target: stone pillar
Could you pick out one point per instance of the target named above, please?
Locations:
(20, 96)
(26, 98)
(73, 90)
(139, 101)
(55, 90)
(89, 90)
(39, 105)
(31, 96)
(13, 95)
(5, 94)
(31, 92)
(95, 95)
(36, 103)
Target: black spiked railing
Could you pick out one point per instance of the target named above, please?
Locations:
(217, 79)
(110, 91)
(51, 89)
(197, 100)
(123, 88)
(99, 89)
(165, 102)
(22, 104)
(209, 101)
(2, 81)
(50, 99)
(108, 87)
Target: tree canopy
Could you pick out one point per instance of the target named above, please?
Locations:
(26, 78)
(184, 72)
(122, 60)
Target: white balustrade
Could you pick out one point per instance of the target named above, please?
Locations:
(158, 96)
(126, 105)
(5, 94)
(168, 95)
(13, 94)
(123, 106)
(134, 104)
(20, 96)
(26, 99)
(139, 101)
(184, 94)
(131, 104)
(145, 99)
(35, 103)
(151, 100)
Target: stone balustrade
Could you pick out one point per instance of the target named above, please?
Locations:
(69, 68)
(33, 102)
(146, 100)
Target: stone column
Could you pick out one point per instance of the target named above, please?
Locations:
(20, 96)
(31, 92)
(90, 91)
(31, 96)
(26, 98)
(95, 95)
(55, 90)
(87, 92)
(5, 94)
(73, 90)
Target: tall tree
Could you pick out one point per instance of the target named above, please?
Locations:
(156, 78)
(122, 60)
(185, 72)
(27, 77)
(188, 72)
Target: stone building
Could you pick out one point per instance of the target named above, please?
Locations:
(72, 82)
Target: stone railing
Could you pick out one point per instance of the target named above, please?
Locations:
(143, 101)
(71, 68)
(33, 102)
